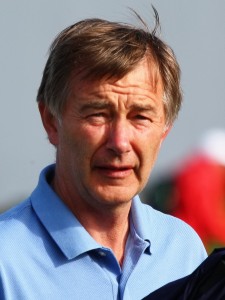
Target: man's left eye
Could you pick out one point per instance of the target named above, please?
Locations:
(141, 117)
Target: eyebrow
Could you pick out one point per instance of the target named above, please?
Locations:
(96, 104)
(142, 107)
(104, 104)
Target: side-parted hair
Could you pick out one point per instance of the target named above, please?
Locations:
(98, 49)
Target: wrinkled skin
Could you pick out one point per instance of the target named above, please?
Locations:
(108, 139)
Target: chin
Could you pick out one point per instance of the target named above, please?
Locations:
(116, 197)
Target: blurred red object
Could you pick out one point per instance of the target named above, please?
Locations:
(195, 191)
(200, 188)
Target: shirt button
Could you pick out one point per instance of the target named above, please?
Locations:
(101, 253)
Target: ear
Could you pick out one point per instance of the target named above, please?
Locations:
(50, 123)
(165, 133)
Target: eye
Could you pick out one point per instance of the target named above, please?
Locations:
(141, 117)
(96, 115)
(97, 118)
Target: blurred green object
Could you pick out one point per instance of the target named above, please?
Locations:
(161, 195)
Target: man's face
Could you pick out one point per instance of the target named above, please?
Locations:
(108, 137)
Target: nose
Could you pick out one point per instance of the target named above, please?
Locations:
(119, 137)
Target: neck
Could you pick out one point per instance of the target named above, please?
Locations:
(111, 232)
(108, 225)
(109, 228)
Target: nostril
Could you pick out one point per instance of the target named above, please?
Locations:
(119, 137)
(118, 144)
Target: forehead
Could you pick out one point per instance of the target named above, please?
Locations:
(142, 80)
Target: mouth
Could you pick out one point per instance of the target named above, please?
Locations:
(115, 172)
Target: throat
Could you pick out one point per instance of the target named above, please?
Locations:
(114, 239)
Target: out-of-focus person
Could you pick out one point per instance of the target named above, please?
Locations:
(195, 191)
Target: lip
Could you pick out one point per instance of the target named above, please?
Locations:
(114, 172)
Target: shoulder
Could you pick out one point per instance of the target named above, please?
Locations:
(166, 221)
(15, 212)
(22, 219)
(15, 223)
(167, 229)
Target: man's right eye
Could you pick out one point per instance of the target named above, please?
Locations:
(97, 118)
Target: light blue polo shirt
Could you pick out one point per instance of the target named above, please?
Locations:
(45, 253)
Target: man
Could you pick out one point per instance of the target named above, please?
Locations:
(108, 97)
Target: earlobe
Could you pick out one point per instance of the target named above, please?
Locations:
(166, 131)
(49, 122)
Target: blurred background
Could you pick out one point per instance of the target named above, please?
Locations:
(195, 31)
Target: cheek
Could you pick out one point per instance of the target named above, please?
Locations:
(69, 146)
(92, 137)
(81, 142)
(150, 149)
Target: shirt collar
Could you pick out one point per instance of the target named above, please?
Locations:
(64, 228)
(142, 221)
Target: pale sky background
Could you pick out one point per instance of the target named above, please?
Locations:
(194, 29)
